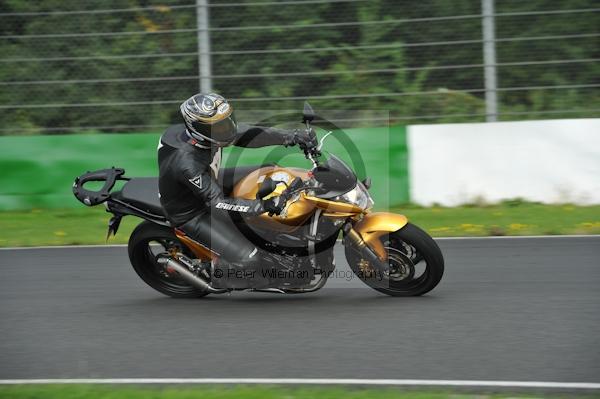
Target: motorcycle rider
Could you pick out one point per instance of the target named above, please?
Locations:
(189, 156)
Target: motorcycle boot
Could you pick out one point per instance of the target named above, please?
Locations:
(245, 273)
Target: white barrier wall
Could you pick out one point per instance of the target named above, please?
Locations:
(551, 161)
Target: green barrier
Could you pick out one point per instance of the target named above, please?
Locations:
(38, 171)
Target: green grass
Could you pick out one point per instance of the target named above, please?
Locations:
(510, 218)
(88, 225)
(240, 392)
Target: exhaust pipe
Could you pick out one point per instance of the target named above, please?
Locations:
(317, 286)
(187, 275)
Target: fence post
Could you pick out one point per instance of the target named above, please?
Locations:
(489, 60)
(204, 58)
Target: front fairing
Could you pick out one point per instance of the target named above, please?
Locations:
(334, 177)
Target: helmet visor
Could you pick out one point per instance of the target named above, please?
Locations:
(221, 132)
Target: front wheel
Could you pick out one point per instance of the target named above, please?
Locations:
(416, 264)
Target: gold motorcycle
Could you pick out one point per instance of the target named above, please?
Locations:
(384, 250)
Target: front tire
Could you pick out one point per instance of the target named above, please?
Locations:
(416, 263)
(146, 242)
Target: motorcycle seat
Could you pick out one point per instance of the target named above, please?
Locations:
(142, 193)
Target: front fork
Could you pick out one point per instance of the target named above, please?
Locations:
(352, 237)
(365, 235)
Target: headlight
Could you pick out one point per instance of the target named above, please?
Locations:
(358, 196)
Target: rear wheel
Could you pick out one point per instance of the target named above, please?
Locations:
(416, 264)
(147, 242)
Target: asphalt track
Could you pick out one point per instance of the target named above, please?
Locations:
(525, 309)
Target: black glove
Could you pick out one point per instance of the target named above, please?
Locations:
(274, 205)
(307, 142)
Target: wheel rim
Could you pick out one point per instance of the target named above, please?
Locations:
(401, 268)
(419, 269)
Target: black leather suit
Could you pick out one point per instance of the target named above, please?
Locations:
(192, 197)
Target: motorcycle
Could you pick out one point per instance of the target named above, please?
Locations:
(384, 250)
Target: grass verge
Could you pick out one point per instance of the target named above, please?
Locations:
(88, 225)
(509, 218)
(243, 392)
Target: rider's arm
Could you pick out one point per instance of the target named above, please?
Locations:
(206, 189)
(259, 136)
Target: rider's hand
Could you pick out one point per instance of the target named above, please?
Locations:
(274, 205)
(305, 140)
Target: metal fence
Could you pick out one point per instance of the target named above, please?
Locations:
(115, 69)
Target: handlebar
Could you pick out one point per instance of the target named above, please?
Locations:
(313, 152)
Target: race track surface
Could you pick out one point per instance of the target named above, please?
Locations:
(525, 309)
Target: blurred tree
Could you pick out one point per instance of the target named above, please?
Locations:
(413, 55)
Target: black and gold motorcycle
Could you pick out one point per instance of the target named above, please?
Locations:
(383, 249)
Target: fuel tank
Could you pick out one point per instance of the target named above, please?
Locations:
(296, 214)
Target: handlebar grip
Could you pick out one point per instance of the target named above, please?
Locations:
(292, 188)
(295, 184)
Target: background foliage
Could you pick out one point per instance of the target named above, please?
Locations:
(412, 49)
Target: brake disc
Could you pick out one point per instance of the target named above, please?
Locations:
(401, 266)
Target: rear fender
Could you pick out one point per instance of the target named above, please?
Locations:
(374, 225)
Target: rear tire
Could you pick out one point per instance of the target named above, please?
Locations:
(414, 244)
(143, 260)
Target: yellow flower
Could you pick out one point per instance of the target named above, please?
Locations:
(471, 228)
(589, 225)
(517, 226)
(60, 233)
